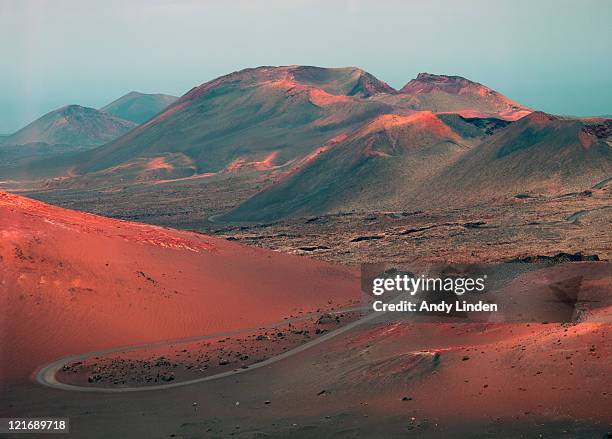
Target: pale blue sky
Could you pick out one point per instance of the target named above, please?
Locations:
(550, 55)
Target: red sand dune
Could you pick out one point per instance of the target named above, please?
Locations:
(73, 282)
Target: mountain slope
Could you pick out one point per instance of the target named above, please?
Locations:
(138, 107)
(540, 154)
(421, 160)
(72, 125)
(373, 168)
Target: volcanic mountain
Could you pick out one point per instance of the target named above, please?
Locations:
(138, 107)
(354, 140)
(73, 282)
(72, 125)
(455, 94)
(268, 115)
(266, 119)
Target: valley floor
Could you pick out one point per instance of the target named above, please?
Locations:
(489, 232)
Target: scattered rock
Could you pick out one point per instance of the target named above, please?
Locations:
(601, 131)
(413, 230)
(555, 259)
(366, 238)
(523, 196)
(325, 319)
(474, 225)
(313, 248)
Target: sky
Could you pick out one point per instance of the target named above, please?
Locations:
(551, 55)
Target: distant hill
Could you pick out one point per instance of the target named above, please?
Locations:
(138, 107)
(279, 115)
(72, 125)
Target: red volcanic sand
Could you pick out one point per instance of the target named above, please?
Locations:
(158, 163)
(72, 282)
(266, 163)
(469, 371)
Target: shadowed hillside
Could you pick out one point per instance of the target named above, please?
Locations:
(374, 167)
(539, 154)
(403, 162)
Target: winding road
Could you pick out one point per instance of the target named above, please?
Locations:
(46, 375)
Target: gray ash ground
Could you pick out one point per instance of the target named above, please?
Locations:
(492, 232)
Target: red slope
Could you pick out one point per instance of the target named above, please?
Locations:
(74, 282)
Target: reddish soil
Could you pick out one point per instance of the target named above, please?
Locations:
(76, 282)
